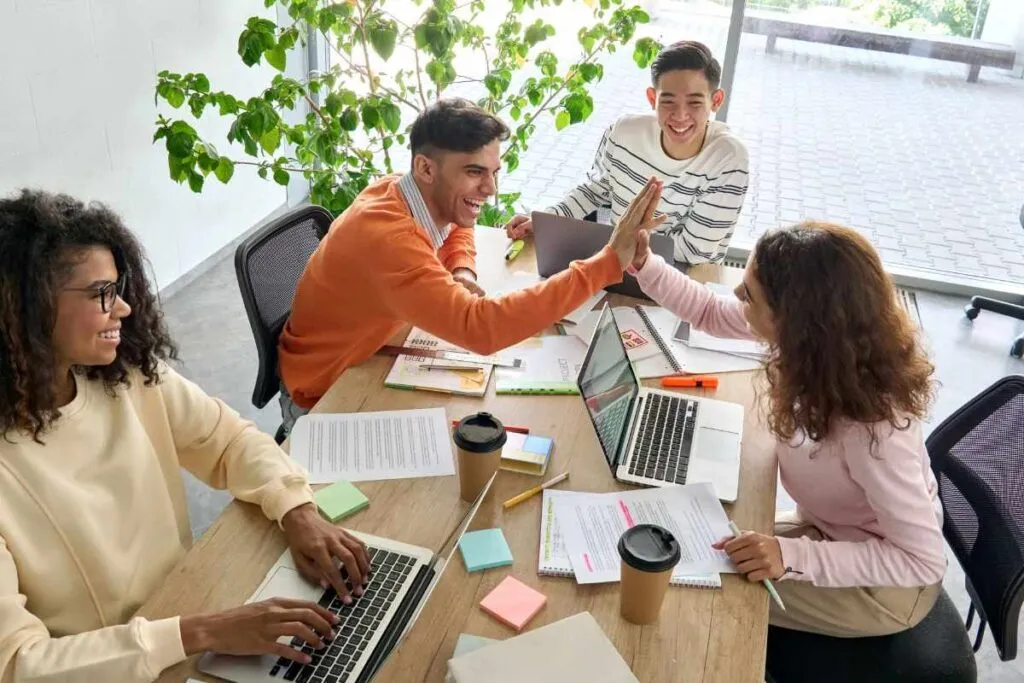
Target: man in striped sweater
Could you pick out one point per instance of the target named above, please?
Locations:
(703, 165)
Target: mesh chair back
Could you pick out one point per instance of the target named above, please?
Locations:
(269, 265)
(977, 455)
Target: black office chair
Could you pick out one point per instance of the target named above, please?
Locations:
(984, 303)
(268, 265)
(978, 458)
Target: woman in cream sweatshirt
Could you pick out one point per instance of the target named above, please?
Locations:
(847, 384)
(95, 428)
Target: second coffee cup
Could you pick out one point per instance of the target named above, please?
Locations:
(649, 553)
(478, 441)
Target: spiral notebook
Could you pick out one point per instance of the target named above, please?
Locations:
(554, 559)
(550, 366)
(648, 333)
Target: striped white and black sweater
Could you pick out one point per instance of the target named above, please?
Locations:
(702, 196)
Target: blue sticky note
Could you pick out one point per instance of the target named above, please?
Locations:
(541, 445)
(485, 549)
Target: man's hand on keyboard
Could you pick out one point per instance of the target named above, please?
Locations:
(318, 546)
(253, 629)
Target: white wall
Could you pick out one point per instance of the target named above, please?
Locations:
(77, 115)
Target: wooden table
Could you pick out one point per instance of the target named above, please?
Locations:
(702, 635)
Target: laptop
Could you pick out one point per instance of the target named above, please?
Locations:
(652, 437)
(559, 241)
(401, 580)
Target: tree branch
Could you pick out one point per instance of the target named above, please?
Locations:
(365, 74)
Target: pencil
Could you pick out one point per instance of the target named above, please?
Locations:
(767, 582)
(525, 495)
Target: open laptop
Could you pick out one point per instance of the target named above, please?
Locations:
(653, 437)
(559, 241)
(402, 578)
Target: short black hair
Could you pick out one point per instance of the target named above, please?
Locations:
(42, 238)
(454, 125)
(687, 55)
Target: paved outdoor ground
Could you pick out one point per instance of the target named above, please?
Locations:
(928, 166)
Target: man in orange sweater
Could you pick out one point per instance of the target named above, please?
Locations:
(403, 252)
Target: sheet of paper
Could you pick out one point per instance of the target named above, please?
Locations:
(592, 524)
(551, 364)
(399, 444)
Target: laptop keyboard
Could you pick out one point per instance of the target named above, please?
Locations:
(664, 440)
(358, 623)
(610, 421)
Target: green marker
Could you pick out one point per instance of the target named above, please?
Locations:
(514, 249)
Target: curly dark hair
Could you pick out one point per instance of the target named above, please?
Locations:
(844, 347)
(42, 237)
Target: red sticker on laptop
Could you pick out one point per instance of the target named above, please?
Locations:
(631, 339)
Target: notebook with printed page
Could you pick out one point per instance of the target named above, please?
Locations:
(550, 366)
(554, 558)
(411, 372)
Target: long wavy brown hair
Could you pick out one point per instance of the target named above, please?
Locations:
(844, 347)
(42, 238)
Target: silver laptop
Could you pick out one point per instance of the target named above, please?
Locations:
(560, 241)
(652, 437)
(402, 578)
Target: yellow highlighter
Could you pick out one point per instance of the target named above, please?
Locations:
(514, 249)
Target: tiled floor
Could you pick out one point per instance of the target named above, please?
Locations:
(217, 351)
(928, 166)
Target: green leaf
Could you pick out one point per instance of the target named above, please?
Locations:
(276, 58)
(383, 33)
(270, 140)
(225, 169)
(197, 104)
(250, 47)
(562, 120)
(262, 172)
(536, 32)
(591, 72)
(511, 159)
(175, 97)
(281, 176)
(579, 107)
(349, 120)
(227, 104)
(548, 63)
(201, 83)
(333, 104)
(515, 113)
(497, 82)
(391, 115)
(535, 96)
(177, 169)
(195, 181)
(441, 73)
(645, 51)
(370, 114)
(639, 15)
(180, 145)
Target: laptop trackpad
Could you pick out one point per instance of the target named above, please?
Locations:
(716, 459)
(288, 583)
(717, 445)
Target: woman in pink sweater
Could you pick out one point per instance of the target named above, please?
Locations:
(847, 385)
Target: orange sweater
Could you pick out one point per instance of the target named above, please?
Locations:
(377, 270)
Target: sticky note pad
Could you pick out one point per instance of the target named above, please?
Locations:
(513, 603)
(339, 500)
(485, 549)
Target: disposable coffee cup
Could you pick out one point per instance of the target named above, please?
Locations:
(648, 552)
(478, 442)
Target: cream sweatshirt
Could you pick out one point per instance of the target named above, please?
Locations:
(93, 520)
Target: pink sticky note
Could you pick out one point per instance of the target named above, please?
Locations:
(513, 603)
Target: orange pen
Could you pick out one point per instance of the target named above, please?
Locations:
(691, 382)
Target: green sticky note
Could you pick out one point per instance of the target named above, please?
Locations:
(485, 549)
(339, 500)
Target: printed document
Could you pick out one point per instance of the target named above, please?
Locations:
(398, 444)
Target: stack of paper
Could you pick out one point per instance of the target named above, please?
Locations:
(573, 649)
(590, 524)
(413, 372)
(521, 280)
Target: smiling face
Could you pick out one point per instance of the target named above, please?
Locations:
(456, 185)
(684, 102)
(84, 334)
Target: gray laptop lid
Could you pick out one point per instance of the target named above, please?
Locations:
(559, 241)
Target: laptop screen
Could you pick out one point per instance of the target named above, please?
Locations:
(608, 386)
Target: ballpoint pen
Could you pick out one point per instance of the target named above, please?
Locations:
(767, 582)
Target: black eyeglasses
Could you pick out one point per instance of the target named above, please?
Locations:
(108, 293)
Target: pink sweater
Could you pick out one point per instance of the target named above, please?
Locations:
(880, 511)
